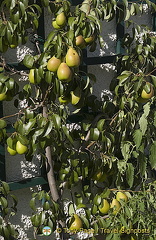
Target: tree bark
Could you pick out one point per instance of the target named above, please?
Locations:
(49, 168)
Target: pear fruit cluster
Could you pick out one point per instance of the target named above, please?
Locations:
(115, 204)
(59, 21)
(63, 69)
(19, 148)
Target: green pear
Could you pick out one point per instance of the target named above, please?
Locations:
(75, 96)
(72, 58)
(20, 148)
(64, 73)
(53, 64)
(80, 42)
(105, 208)
(99, 176)
(3, 96)
(31, 76)
(89, 40)
(54, 24)
(64, 100)
(61, 19)
(115, 205)
(75, 223)
(150, 94)
(121, 196)
(11, 151)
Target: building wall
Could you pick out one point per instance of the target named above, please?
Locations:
(16, 167)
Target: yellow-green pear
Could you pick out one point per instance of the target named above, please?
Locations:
(80, 42)
(89, 40)
(61, 19)
(75, 96)
(115, 205)
(64, 100)
(53, 64)
(11, 151)
(12, 46)
(54, 24)
(20, 148)
(75, 223)
(121, 196)
(105, 208)
(3, 96)
(64, 73)
(99, 176)
(31, 76)
(72, 58)
(145, 95)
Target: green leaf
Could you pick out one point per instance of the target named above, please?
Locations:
(130, 174)
(3, 202)
(154, 122)
(10, 83)
(97, 200)
(125, 2)
(71, 209)
(125, 149)
(28, 61)
(5, 187)
(6, 232)
(153, 80)
(142, 163)
(56, 120)
(11, 229)
(109, 236)
(74, 177)
(36, 220)
(22, 8)
(85, 221)
(139, 48)
(94, 134)
(32, 204)
(96, 228)
(14, 198)
(152, 156)
(49, 77)
(94, 209)
(146, 108)
(100, 124)
(123, 221)
(143, 124)
(67, 133)
(45, 3)
(85, 7)
(42, 217)
(47, 128)
(137, 137)
(3, 124)
(128, 212)
(28, 127)
(122, 78)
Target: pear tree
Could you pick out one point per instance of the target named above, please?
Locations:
(100, 151)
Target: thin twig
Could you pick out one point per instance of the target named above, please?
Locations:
(120, 190)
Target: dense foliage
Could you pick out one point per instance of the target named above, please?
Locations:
(95, 148)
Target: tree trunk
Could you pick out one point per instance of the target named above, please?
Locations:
(49, 168)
